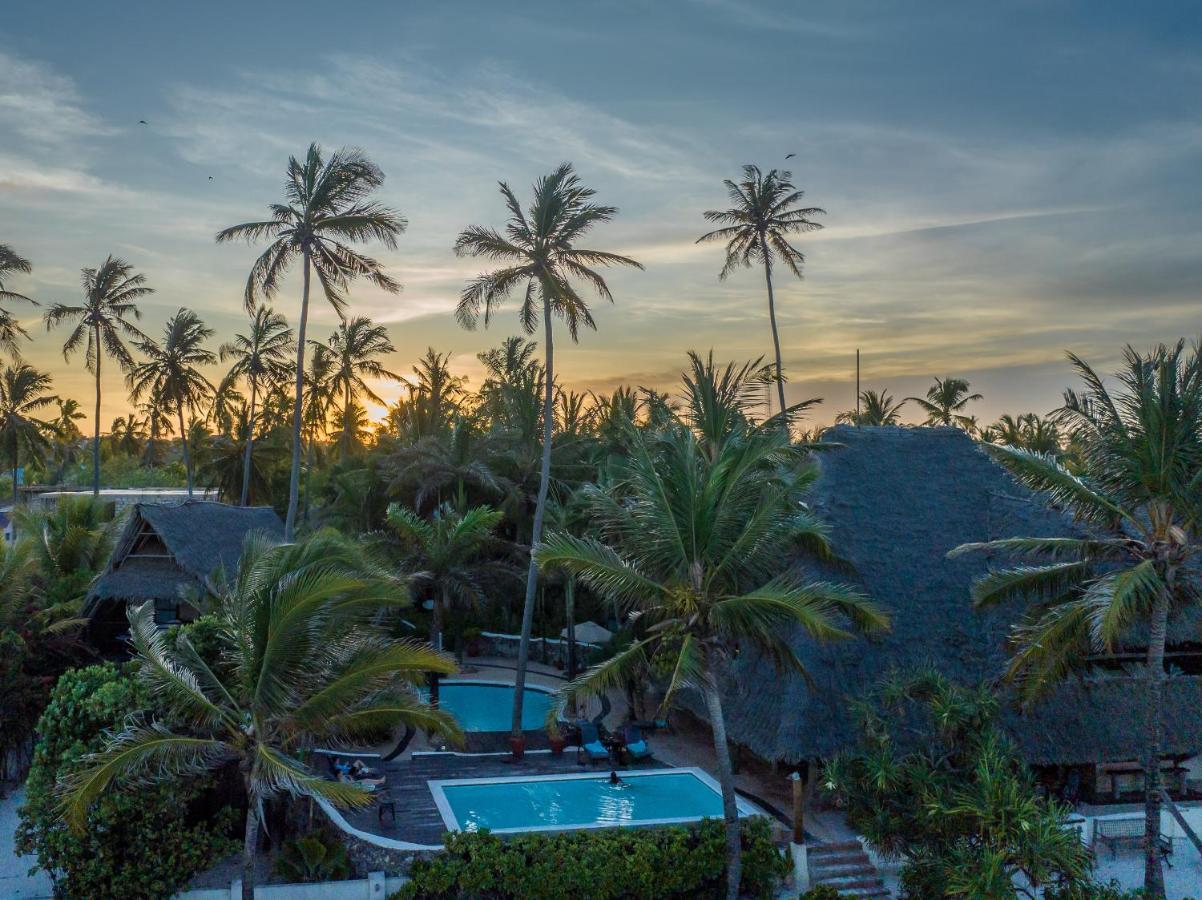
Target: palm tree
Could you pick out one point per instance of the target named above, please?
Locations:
(10, 328)
(101, 321)
(693, 550)
(262, 358)
(1029, 431)
(1140, 496)
(355, 346)
(317, 400)
(757, 227)
(946, 401)
(23, 392)
(448, 554)
(306, 667)
(170, 374)
(125, 435)
(538, 254)
(326, 209)
(875, 409)
(66, 434)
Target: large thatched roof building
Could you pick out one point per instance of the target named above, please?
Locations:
(897, 500)
(169, 553)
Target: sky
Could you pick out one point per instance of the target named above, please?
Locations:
(1002, 182)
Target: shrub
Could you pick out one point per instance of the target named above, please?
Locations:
(643, 862)
(314, 857)
(138, 843)
(821, 892)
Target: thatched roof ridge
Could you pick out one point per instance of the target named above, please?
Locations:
(201, 537)
(897, 500)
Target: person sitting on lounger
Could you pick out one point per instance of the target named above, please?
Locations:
(360, 774)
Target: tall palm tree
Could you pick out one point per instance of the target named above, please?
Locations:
(875, 409)
(66, 434)
(23, 392)
(763, 216)
(355, 347)
(101, 321)
(1140, 498)
(448, 553)
(692, 550)
(262, 359)
(170, 374)
(326, 209)
(538, 254)
(125, 435)
(317, 400)
(946, 401)
(306, 667)
(10, 329)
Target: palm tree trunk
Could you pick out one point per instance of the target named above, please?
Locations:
(569, 602)
(780, 377)
(1153, 871)
(250, 440)
(440, 601)
(726, 779)
(544, 479)
(183, 439)
(346, 422)
(249, 847)
(294, 479)
(96, 439)
(308, 469)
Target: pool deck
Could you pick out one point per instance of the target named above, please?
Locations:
(418, 820)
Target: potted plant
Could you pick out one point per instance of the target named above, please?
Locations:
(517, 745)
(556, 739)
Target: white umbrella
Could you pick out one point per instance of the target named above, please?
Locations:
(589, 633)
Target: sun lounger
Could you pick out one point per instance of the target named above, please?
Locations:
(590, 743)
(636, 744)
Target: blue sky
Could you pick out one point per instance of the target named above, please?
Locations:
(1003, 181)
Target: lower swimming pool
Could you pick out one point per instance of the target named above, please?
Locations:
(488, 705)
(566, 802)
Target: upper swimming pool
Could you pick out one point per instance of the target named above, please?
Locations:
(488, 705)
(566, 802)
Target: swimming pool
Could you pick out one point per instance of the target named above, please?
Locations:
(566, 802)
(488, 705)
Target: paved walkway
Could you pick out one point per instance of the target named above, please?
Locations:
(14, 882)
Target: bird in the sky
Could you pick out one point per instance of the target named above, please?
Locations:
(790, 155)
(210, 178)
(143, 122)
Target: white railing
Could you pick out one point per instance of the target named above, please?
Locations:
(376, 886)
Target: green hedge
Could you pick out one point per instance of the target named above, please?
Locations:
(139, 843)
(620, 862)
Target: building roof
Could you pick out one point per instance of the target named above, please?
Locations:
(198, 536)
(897, 500)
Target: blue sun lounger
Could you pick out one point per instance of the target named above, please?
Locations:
(590, 742)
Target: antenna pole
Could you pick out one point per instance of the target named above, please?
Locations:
(857, 385)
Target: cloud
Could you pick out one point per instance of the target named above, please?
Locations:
(40, 105)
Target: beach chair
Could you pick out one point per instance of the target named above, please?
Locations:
(591, 747)
(636, 744)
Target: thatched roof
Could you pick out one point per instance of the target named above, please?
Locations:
(897, 500)
(194, 540)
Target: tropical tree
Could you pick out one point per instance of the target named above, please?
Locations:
(355, 347)
(1028, 432)
(261, 358)
(449, 556)
(874, 409)
(101, 322)
(946, 401)
(10, 329)
(692, 549)
(326, 209)
(125, 435)
(170, 372)
(66, 434)
(538, 254)
(24, 391)
(763, 216)
(303, 665)
(317, 401)
(1137, 569)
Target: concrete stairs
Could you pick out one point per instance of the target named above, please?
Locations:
(846, 867)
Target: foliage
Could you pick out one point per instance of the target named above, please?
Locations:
(821, 892)
(876, 408)
(312, 858)
(946, 402)
(617, 863)
(306, 665)
(935, 782)
(136, 845)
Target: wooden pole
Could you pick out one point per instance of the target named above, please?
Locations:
(857, 385)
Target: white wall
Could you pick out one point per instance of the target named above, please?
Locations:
(374, 887)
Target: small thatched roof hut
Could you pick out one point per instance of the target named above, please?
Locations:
(169, 553)
(897, 500)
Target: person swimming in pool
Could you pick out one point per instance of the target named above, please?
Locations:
(613, 777)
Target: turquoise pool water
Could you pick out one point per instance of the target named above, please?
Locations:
(489, 707)
(553, 803)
